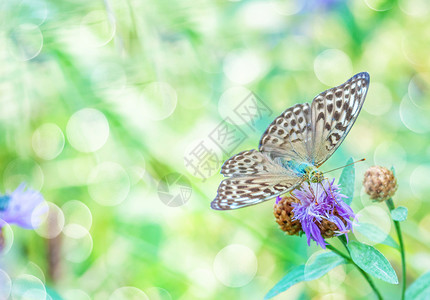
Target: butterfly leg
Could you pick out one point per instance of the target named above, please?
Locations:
(313, 194)
(294, 196)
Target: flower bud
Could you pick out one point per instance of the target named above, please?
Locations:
(379, 183)
(283, 214)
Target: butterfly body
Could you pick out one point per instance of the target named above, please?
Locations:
(300, 168)
(305, 170)
(293, 147)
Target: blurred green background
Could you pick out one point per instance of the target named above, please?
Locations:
(106, 107)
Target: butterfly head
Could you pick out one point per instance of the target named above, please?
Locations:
(315, 175)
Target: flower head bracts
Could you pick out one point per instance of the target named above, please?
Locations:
(321, 204)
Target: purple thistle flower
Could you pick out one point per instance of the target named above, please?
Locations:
(22, 207)
(318, 204)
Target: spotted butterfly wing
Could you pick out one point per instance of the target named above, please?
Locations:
(253, 178)
(244, 191)
(313, 132)
(290, 135)
(334, 111)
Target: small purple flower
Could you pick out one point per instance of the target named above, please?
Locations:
(320, 202)
(22, 207)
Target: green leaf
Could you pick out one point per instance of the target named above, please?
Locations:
(322, 264)
(393, 170)
(295, 275)
(372, 261)
(420, 289)
(399, 214)
(375, 234)
(347, 180)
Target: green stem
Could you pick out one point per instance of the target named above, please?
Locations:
(391, 206)
(339, 253)
(349, 259)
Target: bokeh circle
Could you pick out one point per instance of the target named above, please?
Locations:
(235, 265)
(87, 130)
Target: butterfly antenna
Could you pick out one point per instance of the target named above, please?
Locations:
(363, 159)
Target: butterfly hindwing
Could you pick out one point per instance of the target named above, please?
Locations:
(250, 162)
(334, 111)
(237, 192)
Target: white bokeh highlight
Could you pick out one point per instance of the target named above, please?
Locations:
(159, 100)
(381, 99)
(203, 279)
(379, 5)
(260, 15)
(128, 293)
(235, 265)
(289, 8)
(415, 8)
(26, 42)
(419, 181)
(243, 67)
(87, 130)
(51, 223)
(5, 285)
(75, 294)
(413, 117)
(389, 153)
(229, 101)
(108, 184)
(157, 293)
(329, 282)
(333, 67)
(28, 287)
(76, 215)
(33, 269)
(374, 215)
(23, 170)
(419, 90)
(48, 141)
(77, 244)
(36, 11)
(98, 28)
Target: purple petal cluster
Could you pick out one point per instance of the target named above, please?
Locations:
(22, 207)
(319, 201)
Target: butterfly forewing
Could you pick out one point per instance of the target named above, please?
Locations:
(290, 135)
(334, 111)
(237, 192)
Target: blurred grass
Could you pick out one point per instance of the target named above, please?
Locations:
(105, 54)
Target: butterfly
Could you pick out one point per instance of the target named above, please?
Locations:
(293, 147)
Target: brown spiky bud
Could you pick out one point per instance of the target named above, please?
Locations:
(379, 183)
(283, 214)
